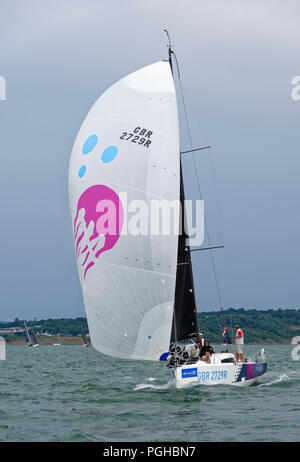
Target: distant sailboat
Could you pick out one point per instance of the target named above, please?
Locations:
(85, 343)
(138, 290)
(28, 341)
(35, 341)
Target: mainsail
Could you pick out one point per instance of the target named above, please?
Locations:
(185, 320)
(127, 149)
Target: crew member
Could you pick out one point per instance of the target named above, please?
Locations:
(206, 351)
(239, 342)
(200, 342)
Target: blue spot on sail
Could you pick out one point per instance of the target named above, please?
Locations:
(164, 356)
(89, 144)
(109, 154)
(82, 171)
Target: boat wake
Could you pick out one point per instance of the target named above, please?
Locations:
(144, 386)
(281, 379)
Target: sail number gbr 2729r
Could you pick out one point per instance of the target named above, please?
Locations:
(139, 135)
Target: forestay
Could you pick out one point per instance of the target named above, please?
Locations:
(127, 149)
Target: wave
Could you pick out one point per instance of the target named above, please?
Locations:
(166, 386)
(280, 379)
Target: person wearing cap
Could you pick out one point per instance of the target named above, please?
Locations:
(206, 351)
(239, 342)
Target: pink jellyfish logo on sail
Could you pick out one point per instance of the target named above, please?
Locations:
(99, 220)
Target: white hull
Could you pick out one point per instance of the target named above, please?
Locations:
(218, 372)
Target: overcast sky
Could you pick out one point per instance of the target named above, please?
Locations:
(237, 59)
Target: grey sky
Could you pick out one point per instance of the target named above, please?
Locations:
(237, 59)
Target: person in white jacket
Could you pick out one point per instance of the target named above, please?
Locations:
(239, 342)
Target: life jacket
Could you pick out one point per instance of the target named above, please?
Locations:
(240, 339)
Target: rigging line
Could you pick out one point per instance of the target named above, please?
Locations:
(207, 248)
(220, 219)
(231, 323)
(215, 188)
(197, 149)
(198, 182)
(212, 167)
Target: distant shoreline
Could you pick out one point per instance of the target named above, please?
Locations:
(263, 327)
(70, 340)
(61, 340)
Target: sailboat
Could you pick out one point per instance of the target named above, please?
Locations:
(138, 287)
(28, 341)
(85, 343)
(35, 341)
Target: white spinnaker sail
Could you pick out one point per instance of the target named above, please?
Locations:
(127, 149)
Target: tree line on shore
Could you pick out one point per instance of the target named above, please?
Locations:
(259, 326)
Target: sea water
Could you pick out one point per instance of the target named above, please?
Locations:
(70, 393)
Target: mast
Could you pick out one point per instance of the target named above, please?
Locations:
(170, 50)
(187, 248)
(185, 307)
